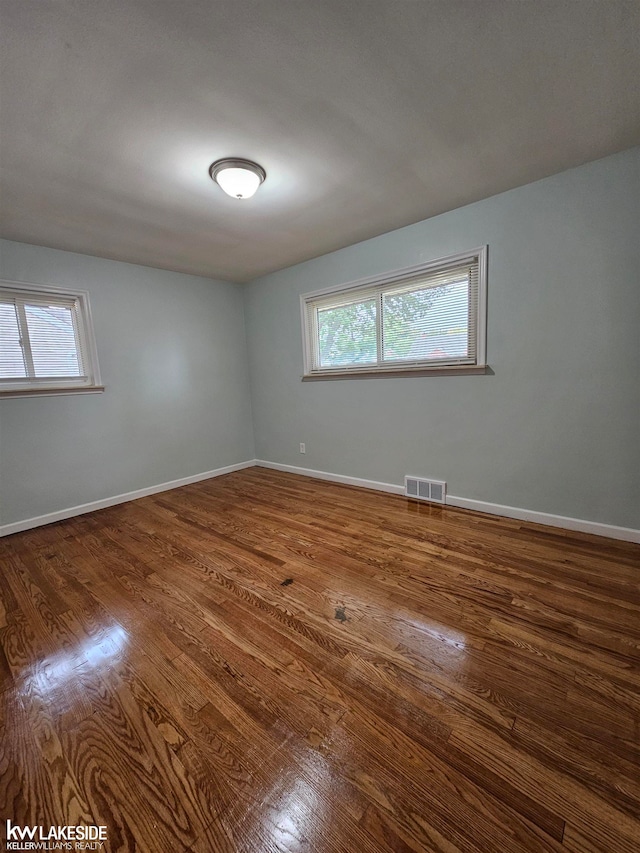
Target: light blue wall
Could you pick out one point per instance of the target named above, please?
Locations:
(172, 354)
(556, 428)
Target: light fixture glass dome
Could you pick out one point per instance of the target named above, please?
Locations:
(238, 178)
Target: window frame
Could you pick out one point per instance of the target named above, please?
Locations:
(32, 386)
(392, 279)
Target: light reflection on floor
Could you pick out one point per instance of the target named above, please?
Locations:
(54, 672)
(441, 633)
(296, 818)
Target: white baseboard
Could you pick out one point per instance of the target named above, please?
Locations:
(334, 478)
(38, 521)
(627, 534)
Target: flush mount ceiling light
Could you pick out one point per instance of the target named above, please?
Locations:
(238, 178)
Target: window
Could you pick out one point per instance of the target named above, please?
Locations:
(424, 319)
(46, 341)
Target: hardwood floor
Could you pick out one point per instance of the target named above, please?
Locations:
(264, 662)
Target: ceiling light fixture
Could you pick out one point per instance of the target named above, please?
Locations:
(238, 178)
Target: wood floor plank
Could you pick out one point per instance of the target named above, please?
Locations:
(264, 662)
(578, 803)
(614, 777)
(469, 812)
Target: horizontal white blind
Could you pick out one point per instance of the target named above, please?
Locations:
(53, 336)
(12, 362)
(431, 320)
(347, 334)
(41, 339)
(421, 320)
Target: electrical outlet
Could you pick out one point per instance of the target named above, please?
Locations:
(303, 448)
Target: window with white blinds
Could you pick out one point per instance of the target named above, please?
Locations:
(429, 318)
(46, 340)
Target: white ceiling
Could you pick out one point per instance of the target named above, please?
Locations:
(366, 114)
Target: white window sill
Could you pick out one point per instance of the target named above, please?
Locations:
(51, 392)
(373, 373)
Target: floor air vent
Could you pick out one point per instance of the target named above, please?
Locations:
(425, 490)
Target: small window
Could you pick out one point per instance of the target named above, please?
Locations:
(425, 319)
(46, 341)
